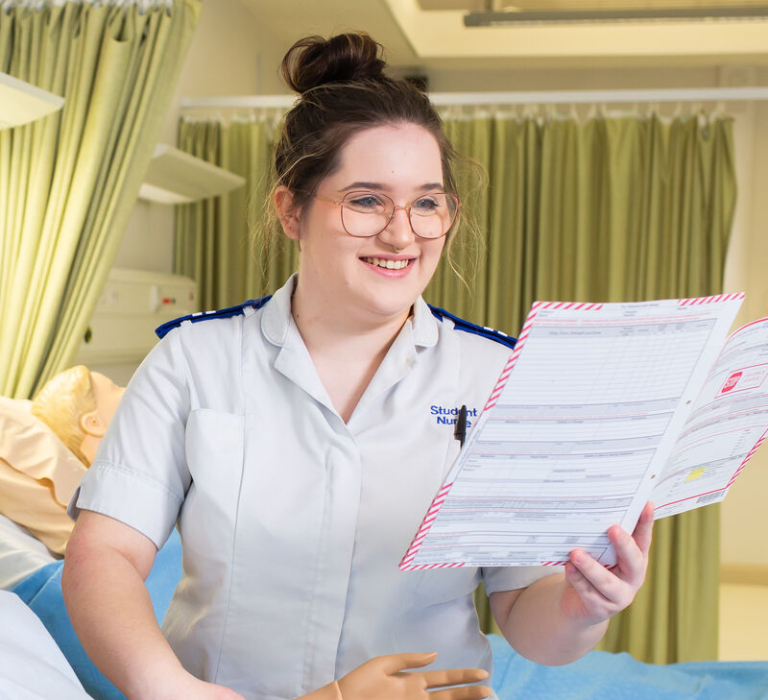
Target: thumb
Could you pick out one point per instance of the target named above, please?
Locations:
(397, 662)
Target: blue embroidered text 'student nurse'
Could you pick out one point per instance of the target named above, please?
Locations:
(297, 443)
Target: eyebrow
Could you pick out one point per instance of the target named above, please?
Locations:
(379, 186)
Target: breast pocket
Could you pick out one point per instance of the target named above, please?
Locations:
(214, 449)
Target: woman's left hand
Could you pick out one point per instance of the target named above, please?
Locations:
(592, 592)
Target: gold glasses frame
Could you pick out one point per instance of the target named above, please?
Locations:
(407, 208)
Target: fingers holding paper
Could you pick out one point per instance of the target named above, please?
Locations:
(593, 593)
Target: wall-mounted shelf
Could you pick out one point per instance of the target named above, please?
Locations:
(175, 177)
(21, 103)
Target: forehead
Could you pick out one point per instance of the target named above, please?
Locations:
(396, 156)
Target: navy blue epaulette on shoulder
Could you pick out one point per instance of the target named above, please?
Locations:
(162, 331)
(468, 327)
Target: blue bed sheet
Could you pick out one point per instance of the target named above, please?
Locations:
(604, 676)
(598, 676)
(41, 591)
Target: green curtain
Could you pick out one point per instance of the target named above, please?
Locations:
(607, 209)
(68, 182)
(612, 209)
(214, 241)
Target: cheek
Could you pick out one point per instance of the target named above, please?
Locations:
(433, 253)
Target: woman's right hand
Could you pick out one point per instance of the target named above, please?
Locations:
(184, 686)
(209, 691)
(387, 678)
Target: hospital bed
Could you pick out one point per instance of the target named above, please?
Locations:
(34, 575)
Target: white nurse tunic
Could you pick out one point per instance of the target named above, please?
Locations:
(292, 522)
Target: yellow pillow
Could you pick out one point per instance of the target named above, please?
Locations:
(38, 475)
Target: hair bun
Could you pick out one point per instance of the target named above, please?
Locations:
(314, 61)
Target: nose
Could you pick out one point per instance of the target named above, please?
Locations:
(398, 233)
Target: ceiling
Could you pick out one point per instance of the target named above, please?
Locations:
(431, 33)
(532, 5)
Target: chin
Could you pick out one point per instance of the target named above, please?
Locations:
(386, 306)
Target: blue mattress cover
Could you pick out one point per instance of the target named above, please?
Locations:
(603, 676)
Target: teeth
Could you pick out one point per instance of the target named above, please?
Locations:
(388, 264)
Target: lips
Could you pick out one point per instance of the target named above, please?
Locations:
(389, 264)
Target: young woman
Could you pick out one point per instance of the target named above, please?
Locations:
(294, 443)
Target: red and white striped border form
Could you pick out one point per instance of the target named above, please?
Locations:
(524, 333)
(429, 518)
(697, 301)
(536, 307)
(434, 509)
(747, 458)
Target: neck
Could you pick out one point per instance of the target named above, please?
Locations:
(328, 325)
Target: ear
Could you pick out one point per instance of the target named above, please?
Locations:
(286, 212)
(91, 424)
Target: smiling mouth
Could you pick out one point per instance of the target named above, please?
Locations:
(388, 264)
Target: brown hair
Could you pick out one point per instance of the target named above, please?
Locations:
(343, 91)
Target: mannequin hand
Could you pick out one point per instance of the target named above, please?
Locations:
(384, 678)
(592, 592)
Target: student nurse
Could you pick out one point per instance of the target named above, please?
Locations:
(293, 444)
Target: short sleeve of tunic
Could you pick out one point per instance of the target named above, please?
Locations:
(140, 475)
(507, 578)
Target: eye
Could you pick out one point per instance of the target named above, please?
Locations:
(366, 201)
(428, 204)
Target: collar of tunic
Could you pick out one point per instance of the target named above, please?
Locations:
(276, 321)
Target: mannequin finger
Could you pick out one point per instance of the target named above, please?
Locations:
(453, 676)
(397, 662)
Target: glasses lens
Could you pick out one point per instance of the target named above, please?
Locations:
(432, 215)
(366, 213)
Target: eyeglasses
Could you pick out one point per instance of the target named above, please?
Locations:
(365, 214)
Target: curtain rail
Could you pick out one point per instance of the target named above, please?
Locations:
(508, 98)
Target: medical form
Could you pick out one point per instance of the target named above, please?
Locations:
(600, 408)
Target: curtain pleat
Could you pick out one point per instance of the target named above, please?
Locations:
(608, 209)
(68, 182)
(215, 244)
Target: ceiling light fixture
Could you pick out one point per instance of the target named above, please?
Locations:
(668, 14)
